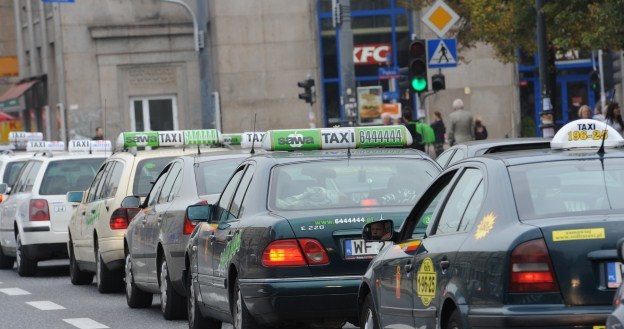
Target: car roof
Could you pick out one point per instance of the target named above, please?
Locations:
(217, 155)
(550, 155)
(506, 144)
(165, 152)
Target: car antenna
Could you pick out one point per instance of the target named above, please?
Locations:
(253, 139)
(601, 150)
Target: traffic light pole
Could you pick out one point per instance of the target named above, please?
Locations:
(348, 102)
(547, 115)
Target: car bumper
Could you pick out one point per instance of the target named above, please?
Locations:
(275, 301)
(41, 235)
(537, 316)
(45, 251)
(112, 250)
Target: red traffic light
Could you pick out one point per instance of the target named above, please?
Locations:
(417, 48)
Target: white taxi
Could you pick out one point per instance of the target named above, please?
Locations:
(97, 228)
(33, 224)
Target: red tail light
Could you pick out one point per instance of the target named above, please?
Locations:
(121, 217)
(368, 202)
(531, 269)
(188, 225)
(39, 210)
(294, 252)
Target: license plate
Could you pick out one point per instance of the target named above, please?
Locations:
(59, 208)
(614, 274)
(360, 249)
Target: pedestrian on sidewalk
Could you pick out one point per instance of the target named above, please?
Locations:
(598, 113)
(613, 117)
(461, 126)
(439, 130)
(584, 112)
(480, 131)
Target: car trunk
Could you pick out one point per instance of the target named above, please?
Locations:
(60, 212)
(581, 249)
(340, 232)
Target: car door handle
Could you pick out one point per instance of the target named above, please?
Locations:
(194, 248)
(144, 220)
(229, 236)
(212, 236)
(159, 218)
(408, 268)
(444, 264)
(93, 211)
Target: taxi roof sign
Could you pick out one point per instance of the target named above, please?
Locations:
(22, 136)
(168, 138)
(245, 140)
(89, 145)
(336, 138)
(44, 146)
(586, 133)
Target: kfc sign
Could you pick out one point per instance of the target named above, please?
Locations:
(371, 54)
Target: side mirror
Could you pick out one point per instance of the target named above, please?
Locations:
(199, 213)
(75, 196)
(620, 250)
(131, 201)
(381, 230)
(4, 188)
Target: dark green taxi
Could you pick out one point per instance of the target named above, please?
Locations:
(508, 240)
(283, 244)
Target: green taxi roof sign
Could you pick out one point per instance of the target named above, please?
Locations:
(168, 138)
(336, 138)
(586, 133)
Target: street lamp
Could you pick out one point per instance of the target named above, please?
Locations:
(198, 37)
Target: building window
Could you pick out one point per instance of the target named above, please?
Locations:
(154, 113)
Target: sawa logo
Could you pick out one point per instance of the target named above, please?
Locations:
(141, 140)
(295, 140)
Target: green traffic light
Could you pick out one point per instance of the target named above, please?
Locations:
(419, 84)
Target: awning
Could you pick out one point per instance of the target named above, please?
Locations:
(6, 117)
(11, 96)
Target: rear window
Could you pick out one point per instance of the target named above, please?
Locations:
(11, 171)
(211, 176)
(568, 187)
(63, 176)
(146, 173)
(357, 182)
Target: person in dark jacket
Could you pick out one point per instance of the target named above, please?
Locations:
(439, 129)
(480, 130)
(411, 127)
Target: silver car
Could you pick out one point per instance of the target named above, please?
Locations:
(156, 238)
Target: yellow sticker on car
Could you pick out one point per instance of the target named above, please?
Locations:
(579, 234)
(485, 226)
(599, 327)
(426, 280)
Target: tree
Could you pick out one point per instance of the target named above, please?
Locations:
(509, 25)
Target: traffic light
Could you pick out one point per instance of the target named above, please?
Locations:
(309, 92)
(438, 82)
(594, 82)
(418, 65)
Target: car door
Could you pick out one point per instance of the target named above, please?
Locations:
(9, 208)
(143, 249)
(397, 274)
(221, 221)
(436, 261)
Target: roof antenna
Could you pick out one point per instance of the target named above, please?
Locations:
(601, 150)
(105, 129)
(253, 139)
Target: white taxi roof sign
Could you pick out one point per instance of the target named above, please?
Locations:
(245, 140)
(86, 145)
(586, 133)
(23, 136)
(336, 138)
(44, 146)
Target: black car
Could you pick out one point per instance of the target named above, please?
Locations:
(283, 243)
(506, 240)
(616, 319)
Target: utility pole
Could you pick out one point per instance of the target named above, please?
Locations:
(547, 115)
(342, 19)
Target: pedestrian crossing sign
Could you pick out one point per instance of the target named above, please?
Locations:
(441, 53)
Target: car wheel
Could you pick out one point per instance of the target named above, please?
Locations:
(195, 319)
(106, 280)
(242, 318)
(368, 315)
(25, 265)
(171, 303)
(454, 321)
(77, 276)
(6, 262)
(135, 297)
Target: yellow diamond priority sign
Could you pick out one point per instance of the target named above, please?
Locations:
(440, 18)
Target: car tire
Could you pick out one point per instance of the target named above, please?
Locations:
(76, 275)
(25, 265)
(368, 316)
(6, 262)
(195, 319)
(454, 321)
(240, 314)
(171, 302)
(135, 297)
(107, 281)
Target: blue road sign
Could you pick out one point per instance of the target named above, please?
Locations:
(388, 73)
(68, 1)
(441, 53)
(389, 95)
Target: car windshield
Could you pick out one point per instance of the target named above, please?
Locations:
(211, 176)
(562, 188)
(146, 173)
(353, 183)
(69, 175)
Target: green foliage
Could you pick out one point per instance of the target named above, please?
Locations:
(509, 25)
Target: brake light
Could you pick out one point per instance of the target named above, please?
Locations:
(294, 252)
(188, 225)
(38, 210)
(531, 269)
(121, 217)
(368, 202)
